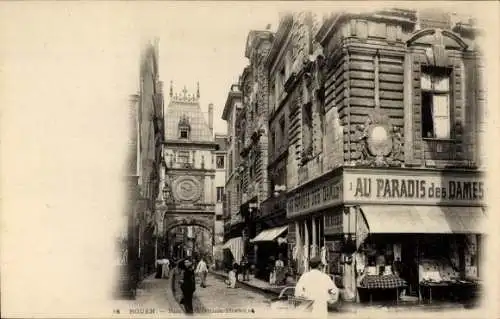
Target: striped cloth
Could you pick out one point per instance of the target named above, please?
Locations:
(382, 282)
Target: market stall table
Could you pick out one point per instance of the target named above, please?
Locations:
(450, 285)
(373, 282)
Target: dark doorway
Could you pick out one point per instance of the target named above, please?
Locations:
(409, 261)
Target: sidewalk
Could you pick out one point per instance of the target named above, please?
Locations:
(156, 294)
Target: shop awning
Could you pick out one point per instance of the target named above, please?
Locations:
(235, 245)
(424, 219)
(269, 234)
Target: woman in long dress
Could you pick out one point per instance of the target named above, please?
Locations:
(279, 269)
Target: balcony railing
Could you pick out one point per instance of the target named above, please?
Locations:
(443, 150)
(273, 204)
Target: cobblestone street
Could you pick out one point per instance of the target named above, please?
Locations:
(155, 299)
(216, 298)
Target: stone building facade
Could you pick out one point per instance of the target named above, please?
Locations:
(187, 194)
(391, 102)
(146, 136)
(251, 133)
(232, 108)
(372, 124)
(221, 162)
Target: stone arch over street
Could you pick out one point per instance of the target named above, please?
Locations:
(192, 246)
(173, 221)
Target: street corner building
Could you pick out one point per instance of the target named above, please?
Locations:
(357, 138)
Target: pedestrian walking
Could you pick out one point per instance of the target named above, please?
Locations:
(245, 268)
(317, 287)
(165, 268)
(202, 271)
(159, 267)
(231, 279)
(188, 286)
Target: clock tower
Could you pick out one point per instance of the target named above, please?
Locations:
(187, 193)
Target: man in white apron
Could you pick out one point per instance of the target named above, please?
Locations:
(318, 287)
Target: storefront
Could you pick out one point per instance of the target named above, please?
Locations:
(315, 214)
(418, 232)
(233, 251)
(234, 247)
(270, 242)
(415, 231)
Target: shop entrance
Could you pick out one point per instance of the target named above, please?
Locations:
(409, 264)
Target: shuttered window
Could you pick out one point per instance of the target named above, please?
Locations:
(436, 108)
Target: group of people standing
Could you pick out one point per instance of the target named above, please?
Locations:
(277, 271)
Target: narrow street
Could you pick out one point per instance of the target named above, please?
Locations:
(155, 299)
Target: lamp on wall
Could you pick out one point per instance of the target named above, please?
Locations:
(278, 189)
(252, 206)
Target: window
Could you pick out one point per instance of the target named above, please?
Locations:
(220, 194)
(307, 136)
(218, 217)
(184, 133)
(288, 64)
(273, 140)
(272, 98)
(436, 114)
(282, 131)
(183, 157)
(220, 161)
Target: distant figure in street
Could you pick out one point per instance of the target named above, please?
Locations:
(202, 271)
(165, 268)
(279, 270)
(231, 279)
(159, 267)
(188, 286)
(271, 269)
(318, 287)
(236, 269)
(245, 268)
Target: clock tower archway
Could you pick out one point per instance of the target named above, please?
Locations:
(188, 194)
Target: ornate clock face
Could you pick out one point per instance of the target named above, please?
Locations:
(187, 189)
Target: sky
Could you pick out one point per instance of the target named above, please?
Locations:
(211, 52)
(67, 69)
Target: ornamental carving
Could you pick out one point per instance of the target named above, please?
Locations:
(379, 142)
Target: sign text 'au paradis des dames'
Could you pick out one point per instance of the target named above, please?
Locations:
(413, 189)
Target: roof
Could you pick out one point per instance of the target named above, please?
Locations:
(234, 93)
(254, 38)
(186, 106)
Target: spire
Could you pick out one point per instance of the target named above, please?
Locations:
(171, 89)
(198, 90)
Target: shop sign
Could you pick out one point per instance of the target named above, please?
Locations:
(316, 197)
(405, 188)
(333, 223)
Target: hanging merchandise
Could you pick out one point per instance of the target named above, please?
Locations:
(306, 258)
(397, 251)
(360, 262)
(323, 255)
(295, 252)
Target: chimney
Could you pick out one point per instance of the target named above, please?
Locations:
(211, 118)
